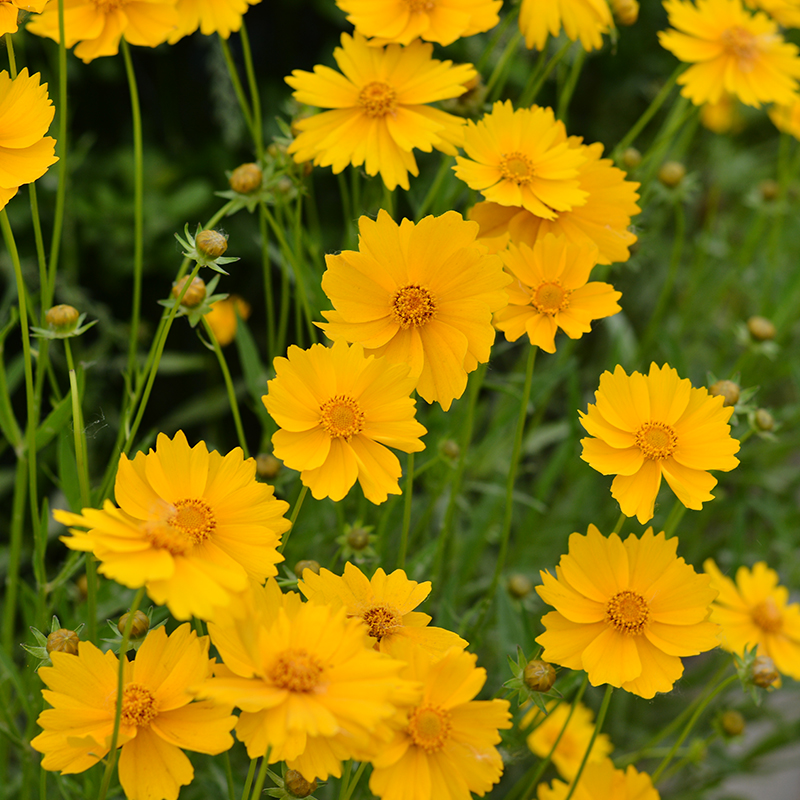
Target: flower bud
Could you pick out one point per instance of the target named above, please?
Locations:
(267, 466)
(62, 641)
(450, 449)
(357, 538)
(764, 420)
(631, 158)
(768, 189)
(297, 785)
(764, 672)
(761, 328)
(539, 676)
(519, 585)
(671, 173)
(626, 12)
(82, 585)
(305, 564)
(195, 294)
(246, 178)
(62, 318)
(141, 624)
(726, 389)
(732, 723)
(212, 243)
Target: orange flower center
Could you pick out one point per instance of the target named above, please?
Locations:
(516, 167)
(382, 621)
(296, 670)
(742, 45)
(195, 519)
(415, 6)
(413, 306)
(656, 440)
(767, 616)
(550, 298)
(378, 99)
(429, 727)
(138, 705)
(341, 417)
(628, 612)
(107, 6)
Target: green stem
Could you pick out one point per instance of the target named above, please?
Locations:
(495, 85)
(541, 73)
(620, 523)
(226, 758)
(251, 771)
(258, 136)
(498, 35)
(44, 299)
(433, 191)
(569, 86)
(12, 61)
(14, 554)
(298, 504)
(262, 776)
(674, 518)
(237, 86)
(266, 269)
(351, 785)
(601, 716)
(408, 492)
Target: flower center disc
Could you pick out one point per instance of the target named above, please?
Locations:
(550, 298)
(517, 167)
(656, 440)
(296, 670)
(741, 44)
(413, 306)
(138, 705)
(628, 612)
(194, 519)
(377, 99)
(429, 727)
(382, 621)
(341, 417)
(415, 6)
(767, 616)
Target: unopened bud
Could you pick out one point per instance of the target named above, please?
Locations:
(671, 173)
(768, 189)
(82, 585)
(62, 318)
(727, 390)
(212, 243)
(246, 178)
(357, 538)
(626, 12)
(764, 420)
(195, 294)
(732, 723)
(539, 676)
(141, 624)
(267, 466)
(305, 564)
(63, 641)
(761, 328)
(764, 672)
(519, 585)
(631, 158)
(298, 785)
(450, 449)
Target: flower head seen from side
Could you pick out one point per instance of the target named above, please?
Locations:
(9, 12)
(421, 295)
(192, 526)
(209, 16)
(339, 411)
(158, 720)
(380, 110)
(601, 781)
(26, 112)
(730, 50)
(551, 290)
(402, 21)
(586, 20)
(626, 611)
(447, 749)
(755, 611)
(648, 426)
(385, 603)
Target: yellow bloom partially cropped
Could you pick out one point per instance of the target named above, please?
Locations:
(755, 611)
(586, 20)
(191, 526)
(99, 26)
(601, 781)
(649, 426)
(339, 411)
(786, 118)
(421, 295)
(26, 112)
(626, 612)
(9, 12)
(380, 109)
(210, 16)
(402, 21)
(158, 720)
(730, 50)
(224, 318)
(551, 290)
(385, 603)
(784, 12)
(723, 116)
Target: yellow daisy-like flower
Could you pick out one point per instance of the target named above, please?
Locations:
(210, 16)
(386, 603)
(380, 109)
(601, 222)
(586, 20)
(158, 720)
(786, 118)
(574, 740)
(447, 748)
(626, 611)
(421, 295)
(755, 611)
(99, 26)
(522, 158)
(731, 50)
(192, 526)
(9, 12)
(26, 112)
(601, 781)
(784, 12)
(224, 318)
(338, 411)
(649, 426)
(551, 291)
(402, 21)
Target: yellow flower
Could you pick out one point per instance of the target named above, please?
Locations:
(600, 781)
(731, 50)
(210, 16)
(402, 21)
(626, 611)
(9, 12)
(380, 112)
(25, 115)
(99, 26)
(649, 426)
(786, 118)
(586, 20)
(421, 295)
(572, 743)
(337, 408)
(723, 115)
(191, 526)
(158, 719)
(447, 748)
(755, 611)
(551, 291)
(386, 604)
(223, 318)
(784, 12)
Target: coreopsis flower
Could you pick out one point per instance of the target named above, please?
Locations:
(586, 20)
(337, 429)
(224, 318)
(602, 221)
(210, 16)
(572, 743)
(551, 290)
(9, 12)
(786, 118)
(158, 719)
(730, 50)
(26, 112)
(191, 526)
(447, 747)
(380, 109)
(400, 21)
(601, 781)
(99, 26)
(385, 603)
(421, 295)
(784, 12)
(755, 611)
(626, 611)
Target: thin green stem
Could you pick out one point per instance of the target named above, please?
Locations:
(598, 726)
(252, 84)
(44, 299)
(541, 73)
(266, 269)
(620, 523)
(237, 86)
(298, 504)
(495, 85)
(569, 86)
(14, 553)
(351, 785)
(498, 35)
(251, 771)
(436, 185)
(12, 60)
(408, 492)
(262, 776)
(674, 518)
(226, 760)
